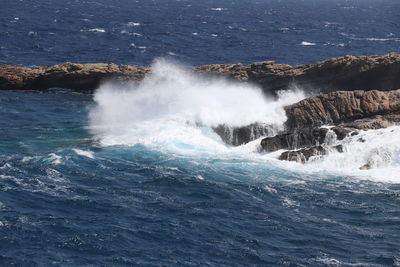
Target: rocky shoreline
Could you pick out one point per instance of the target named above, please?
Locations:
(350, 94)
(344, 73)
(313, 122)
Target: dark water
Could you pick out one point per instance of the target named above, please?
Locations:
(38, 32)
(66, 199)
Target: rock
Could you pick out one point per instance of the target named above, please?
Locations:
(68, 75)
(304, 155)
(342, 132)
(346, 73)
(365, 167)
(342, 106)
(235, 71)
(346, 111)
(241, 135)
(296, 139)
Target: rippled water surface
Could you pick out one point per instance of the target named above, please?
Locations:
(38, 32)
(135, 175)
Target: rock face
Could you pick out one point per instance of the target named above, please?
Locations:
(82, 77)
(338, 107)
(346, 112)
(241, 135)
(345, 73)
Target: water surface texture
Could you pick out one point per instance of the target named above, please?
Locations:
(38, 32)
(135, 175)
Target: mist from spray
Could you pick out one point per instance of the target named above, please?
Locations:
(174, 104)
(174, 110)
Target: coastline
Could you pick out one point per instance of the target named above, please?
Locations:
(348, 95)
(336, 74)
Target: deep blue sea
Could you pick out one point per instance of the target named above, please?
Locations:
(135, 175)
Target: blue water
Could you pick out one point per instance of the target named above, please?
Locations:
(38, 32)
(67, 199)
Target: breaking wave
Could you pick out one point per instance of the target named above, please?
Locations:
(177, 106)
(175, 110)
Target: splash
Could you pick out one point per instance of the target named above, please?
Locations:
(175, 110)
(174, 105)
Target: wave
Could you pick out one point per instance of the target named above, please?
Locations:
(96, 30)
(176, 106)
(307, 43)
(174, 110)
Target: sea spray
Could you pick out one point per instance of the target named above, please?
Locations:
(176, 105)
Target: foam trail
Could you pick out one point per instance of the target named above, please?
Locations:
(172, 103)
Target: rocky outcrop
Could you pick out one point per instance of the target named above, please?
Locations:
(237, 136)
(341, 106)
(305, 154)
(345, 112)
(345, 73)
(83, 77)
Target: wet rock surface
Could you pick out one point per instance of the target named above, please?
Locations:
(241, 135)
(343, 114)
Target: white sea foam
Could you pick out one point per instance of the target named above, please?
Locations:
(379, 149)
(96, 30)
(307, 43)
(174, 109)
(134, 24)
(54, 159)
(88, 154)
(177, 107)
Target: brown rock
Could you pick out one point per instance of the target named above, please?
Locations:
(67, 75)
(342, 106)
(345, 73)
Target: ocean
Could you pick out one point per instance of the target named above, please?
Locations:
(134, 175)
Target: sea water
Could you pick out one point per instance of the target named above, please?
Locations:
(135, 175)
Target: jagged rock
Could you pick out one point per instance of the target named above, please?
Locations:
(303, 155)
(297, 139)
(342, 132)
(346, 111)
(341, 106)
(345, 73)
(236, 71)
(241, 135)
(68, 75)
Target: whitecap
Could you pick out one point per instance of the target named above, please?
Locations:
(218, 8)
(96, 30)
(307, 43)
(134, 24)
(55, 159)
(85, 153)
